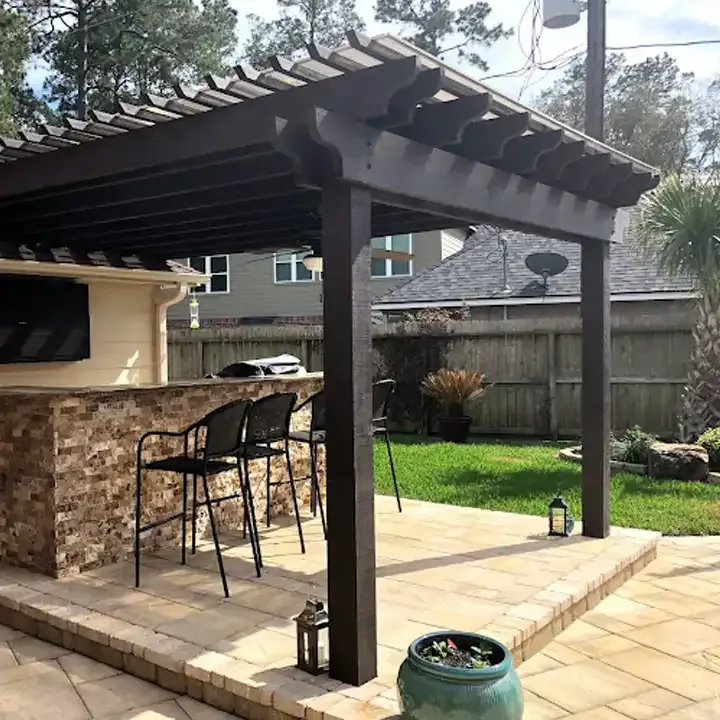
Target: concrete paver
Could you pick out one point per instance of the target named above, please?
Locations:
(650, 651)
(647, 652)
(39, 681)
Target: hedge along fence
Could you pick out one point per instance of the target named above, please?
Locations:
(535, 367)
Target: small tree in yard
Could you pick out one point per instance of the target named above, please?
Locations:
(679, 228)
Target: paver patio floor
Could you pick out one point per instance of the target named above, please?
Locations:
(39, 681)
(650, 650)
(476, 570)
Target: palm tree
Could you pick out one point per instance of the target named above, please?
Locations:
(678, 227)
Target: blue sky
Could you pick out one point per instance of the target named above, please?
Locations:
(630, 22)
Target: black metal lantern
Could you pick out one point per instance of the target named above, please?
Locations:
(312, 638)
(559, 518)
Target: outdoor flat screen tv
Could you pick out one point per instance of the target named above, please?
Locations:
(43, 320)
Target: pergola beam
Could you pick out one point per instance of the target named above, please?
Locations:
(238, 193)
(443, 124)
(258, 163)
(362, 95)
(407, 173)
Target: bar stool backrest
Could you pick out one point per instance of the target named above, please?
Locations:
(382, 392)
(224, 428)
(317, 417)
(269, 418)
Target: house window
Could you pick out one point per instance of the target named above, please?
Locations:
(217, 267)
(392, 268)
(289, 268)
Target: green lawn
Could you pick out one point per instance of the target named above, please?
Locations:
(523, 478)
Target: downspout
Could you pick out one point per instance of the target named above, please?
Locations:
(164, 297)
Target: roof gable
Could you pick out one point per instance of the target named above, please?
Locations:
(476, 273)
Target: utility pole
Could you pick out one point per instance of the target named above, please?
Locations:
(595, 71)
(595, 311)
(594, 284)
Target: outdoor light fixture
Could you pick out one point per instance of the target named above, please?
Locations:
(560, 520)
(558, 14)
(312, 638)
(314, 263)
(194, 313)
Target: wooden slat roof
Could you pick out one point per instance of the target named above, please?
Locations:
(242, 195)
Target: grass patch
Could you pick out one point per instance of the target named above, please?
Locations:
(524, 477)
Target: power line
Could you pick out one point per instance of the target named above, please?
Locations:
(686, 43)
(579, 53)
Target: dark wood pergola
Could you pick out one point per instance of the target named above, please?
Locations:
(373, 138)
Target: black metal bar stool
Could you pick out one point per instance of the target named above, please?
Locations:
(314, 437)
(382, 393)
(223, 439)
(267, 433)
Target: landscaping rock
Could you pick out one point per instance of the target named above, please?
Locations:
(678, 462)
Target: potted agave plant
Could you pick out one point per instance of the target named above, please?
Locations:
(454, 389)
(459, 675)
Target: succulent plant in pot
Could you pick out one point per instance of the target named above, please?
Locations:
(459, 675)
(454, 390)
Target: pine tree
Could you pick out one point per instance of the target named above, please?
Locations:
(301, 22)
(434, 26)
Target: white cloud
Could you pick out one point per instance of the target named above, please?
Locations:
(629, 22)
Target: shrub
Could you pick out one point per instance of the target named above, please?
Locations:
(710, 440)
(618, 448)
(637, 445)
(455, 388)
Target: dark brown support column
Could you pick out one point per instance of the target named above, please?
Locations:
(348, 403)
(595, 308)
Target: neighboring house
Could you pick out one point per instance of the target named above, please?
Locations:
(490, 277)
(248, 289)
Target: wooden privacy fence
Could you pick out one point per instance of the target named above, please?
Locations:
(535, 367)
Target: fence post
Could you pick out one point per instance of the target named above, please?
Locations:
(201, 357)
(552, 386)
(307, 351)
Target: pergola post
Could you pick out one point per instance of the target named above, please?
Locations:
(346, 229)
(596, 422)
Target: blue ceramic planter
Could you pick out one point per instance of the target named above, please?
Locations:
(433, 692)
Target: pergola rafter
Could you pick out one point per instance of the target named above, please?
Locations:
(372, 138)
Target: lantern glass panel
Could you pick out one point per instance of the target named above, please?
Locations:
(323, 647)
(558, 521)
(306, 643)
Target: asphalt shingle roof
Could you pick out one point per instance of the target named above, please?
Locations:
(65, 256)
(475, 273)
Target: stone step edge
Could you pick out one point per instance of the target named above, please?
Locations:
(227, 683)
(576, 602)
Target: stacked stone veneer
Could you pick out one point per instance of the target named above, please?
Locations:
(67, 468)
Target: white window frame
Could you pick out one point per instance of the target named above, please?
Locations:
(388, 263)
(296, 258)
(207, 285)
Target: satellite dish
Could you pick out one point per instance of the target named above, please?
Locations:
(546, 264)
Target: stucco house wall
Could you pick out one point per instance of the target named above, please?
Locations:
(122, 344)
(128, 328)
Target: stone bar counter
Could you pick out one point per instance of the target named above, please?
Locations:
(68, 459)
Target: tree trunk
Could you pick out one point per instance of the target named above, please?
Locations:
(82, 60)
(700, 405)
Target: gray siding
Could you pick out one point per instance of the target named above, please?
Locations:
(255, 294)
(452, 242)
